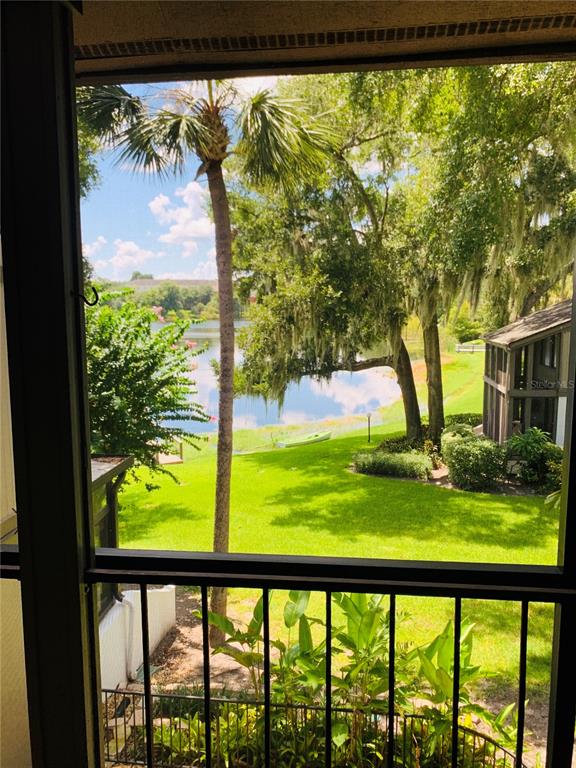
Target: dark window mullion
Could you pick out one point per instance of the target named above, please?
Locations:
(522, 682)
(391, 678)
(328, 707)
(206, 670)
(456, 679)
(267, 697)
(149, 724)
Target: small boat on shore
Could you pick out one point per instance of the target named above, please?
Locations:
(314, 437)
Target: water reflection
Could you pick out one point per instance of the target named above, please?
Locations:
(345, 395)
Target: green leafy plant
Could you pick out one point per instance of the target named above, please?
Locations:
(454, 435)
(300, 670)
(248, 637)
(138, 383)
(472, 419)
(399, 444)
(435, 685)
(476, 464)
(431, 450)
(424, 690)
(540, 460)
(413, 465)
(466, 329)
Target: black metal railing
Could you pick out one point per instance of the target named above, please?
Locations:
(299, 735)
(398, 737)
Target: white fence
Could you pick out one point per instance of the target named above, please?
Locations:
(470, 348)
(120, 635)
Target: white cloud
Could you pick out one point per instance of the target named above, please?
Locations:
(159, 206)
(195, 197)
(100, 264)
(129, 254)
(359, 394)
(188, 222)
(369, 167)
(189, 248)
(248, 86)
(206, 270)
(91, 249)
(294, 417)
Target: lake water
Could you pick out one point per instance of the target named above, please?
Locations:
(345, 395)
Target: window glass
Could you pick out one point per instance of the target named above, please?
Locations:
(354, 420)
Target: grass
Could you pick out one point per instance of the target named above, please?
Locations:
(306, 501)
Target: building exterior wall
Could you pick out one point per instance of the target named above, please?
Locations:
(525, 385)
(120, 636)
(14, 730)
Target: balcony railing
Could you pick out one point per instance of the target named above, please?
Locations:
(167, 730)
(298, 735)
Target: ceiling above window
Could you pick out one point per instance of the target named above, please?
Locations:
(183, 38)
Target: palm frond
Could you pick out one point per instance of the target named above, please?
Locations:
(160, 142)
(108, 109)
(155, 141)
(278, 145)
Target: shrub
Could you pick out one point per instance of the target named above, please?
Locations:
(475, 464)
(466, 329)
(431, 450)
(454, 435)
(399, 444)
(472, 419)
(541, 459)
(414, 464)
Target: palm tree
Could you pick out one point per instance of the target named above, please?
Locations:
(275, 147)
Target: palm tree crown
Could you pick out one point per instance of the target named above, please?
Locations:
(276, 145)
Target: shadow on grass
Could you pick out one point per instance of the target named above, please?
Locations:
(137, 521)
(322, 495)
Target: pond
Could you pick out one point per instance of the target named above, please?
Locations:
(345, 395)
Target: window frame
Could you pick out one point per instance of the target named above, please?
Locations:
(69, 675)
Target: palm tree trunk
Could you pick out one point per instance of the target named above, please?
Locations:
(434, 379)
(221, 213)
(408, 388)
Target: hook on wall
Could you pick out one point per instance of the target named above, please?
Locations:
(94, 301)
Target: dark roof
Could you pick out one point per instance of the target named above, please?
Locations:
(104, 468)
(539, 323)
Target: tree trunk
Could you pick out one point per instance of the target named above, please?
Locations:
(434, 379)
(408, 388)
(221, 213)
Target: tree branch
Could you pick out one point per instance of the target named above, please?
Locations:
(357, 142)
(357, 182)
(364, 365)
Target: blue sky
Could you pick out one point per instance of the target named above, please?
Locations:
(135, 221)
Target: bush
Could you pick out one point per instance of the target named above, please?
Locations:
(413, 464)
(466, 329)
(139, 386)
(475, 464)
(454, 435)
(541, 459)
(472, 419)
(399, 445)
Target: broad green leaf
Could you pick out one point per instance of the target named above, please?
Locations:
(339, 732)
(222, 623)
(255, 624)
(304, 635)
(428, 669)
(245, 658)
(445, 682)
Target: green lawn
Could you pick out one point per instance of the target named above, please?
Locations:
(306, 501)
